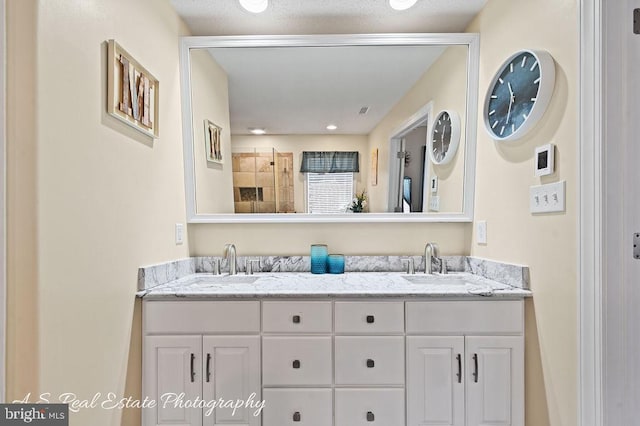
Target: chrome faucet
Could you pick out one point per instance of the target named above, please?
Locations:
(431, 253)
(230, 254)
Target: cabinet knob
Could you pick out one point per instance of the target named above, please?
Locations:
(370, 416)
(296, 416)
(370, 319)
(296, 363)
(370, 363)
(296, 319)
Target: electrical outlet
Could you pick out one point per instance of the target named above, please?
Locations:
(481, 232)
(179, 233)
(548, 198)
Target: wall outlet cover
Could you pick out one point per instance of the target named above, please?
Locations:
(481, 232)
(179, 233)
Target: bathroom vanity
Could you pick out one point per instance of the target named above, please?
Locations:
(346, 350)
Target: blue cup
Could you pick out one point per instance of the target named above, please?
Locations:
(319, 256)
(336, 264)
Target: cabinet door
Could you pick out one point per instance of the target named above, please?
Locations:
(231, 372)
(495, 381)
(435, 385)
(172, 374)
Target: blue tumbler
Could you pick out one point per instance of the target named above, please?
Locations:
(336, 264)
(319, 256)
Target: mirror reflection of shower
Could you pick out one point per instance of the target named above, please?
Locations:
(262, 181)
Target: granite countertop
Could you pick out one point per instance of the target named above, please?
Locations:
(350, 284)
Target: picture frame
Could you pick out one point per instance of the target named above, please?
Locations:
(374, 167)
(213, 142)
(132, 91)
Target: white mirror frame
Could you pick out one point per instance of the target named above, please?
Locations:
(471, 40)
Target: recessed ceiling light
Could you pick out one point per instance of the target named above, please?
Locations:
(257, 130)
(255, 6)
(332, 127)
(402, 4)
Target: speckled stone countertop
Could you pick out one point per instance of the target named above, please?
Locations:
(351, 284)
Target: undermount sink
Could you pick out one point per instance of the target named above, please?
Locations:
(447, 279)
(229, 279)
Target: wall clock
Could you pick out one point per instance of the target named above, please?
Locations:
(445, 137)
(519, 94)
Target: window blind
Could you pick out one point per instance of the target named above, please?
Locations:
(329, 192)
(329, 162)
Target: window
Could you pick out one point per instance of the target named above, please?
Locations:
(329, 192)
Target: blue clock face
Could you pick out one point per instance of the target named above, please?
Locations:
(513, 95)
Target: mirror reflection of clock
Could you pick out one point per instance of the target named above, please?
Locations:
(519, 94)
(445, 137)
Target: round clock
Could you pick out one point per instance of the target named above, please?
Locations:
(445, 137)
(519, 94)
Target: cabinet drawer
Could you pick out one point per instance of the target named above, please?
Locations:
(363, 407)
(369, 360)
(465, 317)
(369, 317)
(296, 317)
(294, 361)
(201, 317)
(297, 407)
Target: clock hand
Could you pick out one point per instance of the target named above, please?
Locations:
(512, 98)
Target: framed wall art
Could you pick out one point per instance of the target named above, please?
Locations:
(132, 91)
(212, 138)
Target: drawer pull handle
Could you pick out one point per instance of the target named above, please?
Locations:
(296, 416)
(371, 363)
(475, 372)
(370, 319)
(193, 371)
(459, 375)
(296, 319)
(208, 368)
(370, 416)
(296, 363)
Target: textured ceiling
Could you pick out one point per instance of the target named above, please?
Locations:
(227, 17)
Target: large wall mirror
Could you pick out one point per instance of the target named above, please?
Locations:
(296, 128)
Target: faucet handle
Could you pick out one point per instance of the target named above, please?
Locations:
(411, 267)
(216, 266)
(248, 266)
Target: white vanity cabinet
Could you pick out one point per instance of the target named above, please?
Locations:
(465, 363)
(327, 362)
(219, 358)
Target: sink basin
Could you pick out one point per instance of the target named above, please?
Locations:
(229, 279)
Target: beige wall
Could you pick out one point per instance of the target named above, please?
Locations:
(547, 243)
(298, 143)
(95, 201)
(444, 84)
(90, 200)
(210, 101)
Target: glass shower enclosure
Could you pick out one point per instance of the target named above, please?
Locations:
(262, 181)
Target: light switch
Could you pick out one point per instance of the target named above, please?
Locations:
(179, 233)
(481, 232)
(434, 203)
(548, 198)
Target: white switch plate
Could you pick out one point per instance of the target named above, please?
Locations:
(547, 198)
(179, 233)
(434, 203)
(481, 232)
